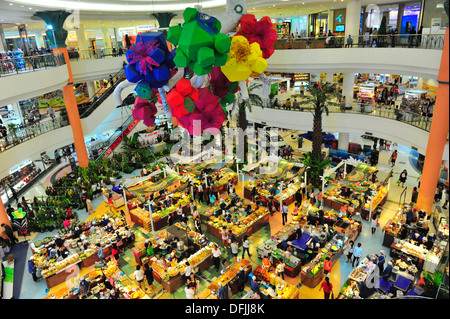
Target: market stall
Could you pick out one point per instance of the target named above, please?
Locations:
(101, 280)
(239, 222)
(228, 278)
(80, 247)
(273, 249)
(118, 199)
(272, 286)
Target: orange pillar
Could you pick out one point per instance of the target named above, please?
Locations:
(73, 114)
(4, 219)
(438, 136)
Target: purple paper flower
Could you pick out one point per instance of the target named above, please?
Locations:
(141, 54)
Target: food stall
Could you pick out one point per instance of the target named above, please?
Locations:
(121, 283)
(118, 199)
(240, 223)
(272, 286)
(365, 98)
(392, 227)
(272, 249)
(403, 250)
(361, 273)
(141, 216)
(56, 271)
(228, 278)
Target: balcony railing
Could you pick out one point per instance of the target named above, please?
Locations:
(421, 41)
(97, 54)
(11, 66)
(400, 114)
(26, 131)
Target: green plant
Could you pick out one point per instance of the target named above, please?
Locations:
(320, 97)
(243, 106)
(13, 128)
(431, 283)
(315, 168)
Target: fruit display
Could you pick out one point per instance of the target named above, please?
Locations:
(288, 192)
(382, 191)
(224, 175)
(226, 277)
(285, 290)
(55, 267)
(200, 255)
(350, 290)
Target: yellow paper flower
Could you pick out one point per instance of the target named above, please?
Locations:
(244, 60)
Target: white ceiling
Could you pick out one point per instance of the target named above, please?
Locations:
(13, 12)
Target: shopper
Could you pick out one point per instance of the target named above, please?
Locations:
(32, 269)
(403, 176)
(216, 254)
(224, 233)
(115, 254)
(349, 42)
(280, 269)
(446, 199)
(348, 250)
(89, 208)
(380, 262)
(393, 158)
(190, 293)
(148, 274)
(7, 230)
(327, 265)
(245, 247)
(139, 276)
(357, 254)
(327, 287)
(100, 253)
(284, 213)
(414, 196)
(374, 223)
(234, 250)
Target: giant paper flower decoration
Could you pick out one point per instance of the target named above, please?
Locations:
(182, 98)
(207, 114)
(261, 32)
(244, 60)
(222, 87)
(150, 60)
(144, 110)
(200, 45)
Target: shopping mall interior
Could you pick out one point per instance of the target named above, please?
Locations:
(224, 149)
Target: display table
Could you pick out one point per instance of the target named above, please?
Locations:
(397, 251)
(117, 198)
(311, 281)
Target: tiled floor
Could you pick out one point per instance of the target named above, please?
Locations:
(370, 243)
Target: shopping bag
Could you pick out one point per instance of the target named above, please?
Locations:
(398, 182)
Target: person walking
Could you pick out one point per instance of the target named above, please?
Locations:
(139, 277)
(348, 250)
(327, 287)
(374, 223)
(403, 177)
(284, 213)
(89, 208)
(393, 157)
(357, 254)
(245, 247)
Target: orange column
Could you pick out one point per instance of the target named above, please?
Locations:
(438, 136)
(73, 114)
(4, 219)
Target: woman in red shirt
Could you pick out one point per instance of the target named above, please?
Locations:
(327, 287)
(115, 254)
(327, 265)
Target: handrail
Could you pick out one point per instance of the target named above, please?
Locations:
(409, 117)
(422, 41)
(401, 194)
(95, 101)
(98, 54)
(15, 65)
(112, 139)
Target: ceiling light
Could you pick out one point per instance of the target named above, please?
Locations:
(87, 5)
(10, 4)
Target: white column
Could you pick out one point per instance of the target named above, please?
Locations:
(347, 88)
(82, 41)
(39, 39)
(106, 39)
(330, 78)
(331, 20)
(344, 139)
(91, 88)
(352, 19)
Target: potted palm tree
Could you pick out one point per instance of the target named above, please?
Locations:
(320, 97)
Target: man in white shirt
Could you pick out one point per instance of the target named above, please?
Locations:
(284, 213)
(216, 253)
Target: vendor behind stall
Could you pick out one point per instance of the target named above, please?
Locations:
(416, 239)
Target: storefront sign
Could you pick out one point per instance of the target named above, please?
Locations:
(127, 131)
(20, 166)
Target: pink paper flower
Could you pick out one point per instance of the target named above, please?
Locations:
(140, 54)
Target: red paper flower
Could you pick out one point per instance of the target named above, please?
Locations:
(182, 98)
(259, 31)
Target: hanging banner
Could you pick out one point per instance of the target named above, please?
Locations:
(114, 145)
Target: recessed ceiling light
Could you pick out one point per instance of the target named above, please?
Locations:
(10, 4)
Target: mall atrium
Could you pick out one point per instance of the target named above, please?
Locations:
(224, 149)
